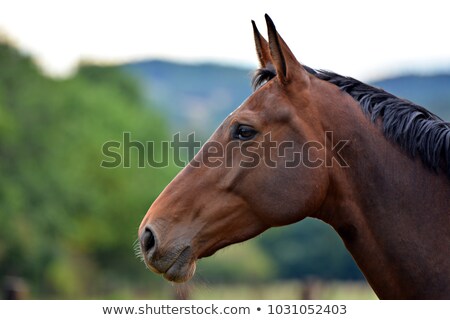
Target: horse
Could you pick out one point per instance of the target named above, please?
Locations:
(312, 143)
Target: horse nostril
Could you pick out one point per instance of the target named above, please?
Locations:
(147, 240)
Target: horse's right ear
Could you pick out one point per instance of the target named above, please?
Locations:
(284, 61)
(262, 47)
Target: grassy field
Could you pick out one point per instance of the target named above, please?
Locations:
(291, 290)
(285, 291)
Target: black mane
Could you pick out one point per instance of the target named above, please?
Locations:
(417, 130)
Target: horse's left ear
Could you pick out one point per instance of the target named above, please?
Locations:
(262, 47)
(285, 63)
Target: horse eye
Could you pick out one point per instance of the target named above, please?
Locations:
(244, 132)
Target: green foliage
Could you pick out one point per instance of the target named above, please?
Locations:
(68, 225)
(246, 262)
(309, 249)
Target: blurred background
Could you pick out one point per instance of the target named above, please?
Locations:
(76, 74)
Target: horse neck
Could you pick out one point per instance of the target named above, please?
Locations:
(391, 212)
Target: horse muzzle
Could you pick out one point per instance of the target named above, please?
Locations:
(176, 263)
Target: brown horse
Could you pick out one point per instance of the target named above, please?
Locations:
(311, 143)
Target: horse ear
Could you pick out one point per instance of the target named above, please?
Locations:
(262, 47)
(282, 57)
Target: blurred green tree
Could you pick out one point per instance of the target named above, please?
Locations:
(66, 224)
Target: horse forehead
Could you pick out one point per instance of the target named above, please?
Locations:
(266, 105)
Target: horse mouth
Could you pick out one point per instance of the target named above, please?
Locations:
(181, 268)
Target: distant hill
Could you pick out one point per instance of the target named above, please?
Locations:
(431, 91)
(198, 97)
(194, 97)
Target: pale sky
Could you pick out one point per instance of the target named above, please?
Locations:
(362, 39)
